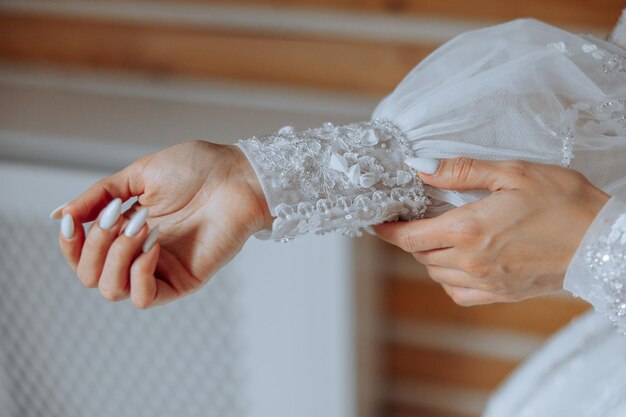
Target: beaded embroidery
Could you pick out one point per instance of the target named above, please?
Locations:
(567, 151)
(611, 63)
(335, 178)
(606, 260)
(609, 118)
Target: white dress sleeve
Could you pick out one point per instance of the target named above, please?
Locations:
(597, 273)
(521, 90)
(618, 35)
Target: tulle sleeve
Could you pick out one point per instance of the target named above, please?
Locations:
(597, 271)
(618, 35)
(522, 90)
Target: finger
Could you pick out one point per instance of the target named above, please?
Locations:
(418, 235)
(97, 244)
(457, 278)
(114, 279)
(134, 208)
(71, 239)
(123, 184)
(470, 296)
(471, 174)
(146, 290)
(446, 257)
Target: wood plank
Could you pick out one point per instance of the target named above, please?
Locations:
(594, 13)
(441, 367)
(422, 300)
(337, 64)
(398, 409)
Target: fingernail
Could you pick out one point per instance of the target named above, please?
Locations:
(56, 213)
(110, 214)
(425, 165)
(150, 240)
(67, 226)
(136, 222)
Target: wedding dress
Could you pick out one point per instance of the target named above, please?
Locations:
(521, 90)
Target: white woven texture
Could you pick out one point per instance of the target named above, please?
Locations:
(66, 352)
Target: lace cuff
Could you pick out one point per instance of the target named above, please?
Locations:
(335, 178)
(597, 272)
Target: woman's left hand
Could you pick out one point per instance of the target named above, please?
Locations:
(517, 243)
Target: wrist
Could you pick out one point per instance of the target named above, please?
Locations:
(263, 217)
(595, 200)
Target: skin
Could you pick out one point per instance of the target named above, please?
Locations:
(207, 202)
(512, 245)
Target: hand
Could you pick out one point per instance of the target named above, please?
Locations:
(515, 244)
(205, 200)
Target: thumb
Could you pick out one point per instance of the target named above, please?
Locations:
(463, 173)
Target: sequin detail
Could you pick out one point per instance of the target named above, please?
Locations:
(606, 259)
(609, 62)
(332, 178)
(607, 118)
(567, 151)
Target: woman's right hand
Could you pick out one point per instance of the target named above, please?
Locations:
(204, 198)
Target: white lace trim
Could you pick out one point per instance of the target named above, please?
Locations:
(335, 178)
(606, 259)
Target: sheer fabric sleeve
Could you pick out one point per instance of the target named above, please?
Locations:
(618, 35)
(522, 90)
(331, 178)
(597, 272)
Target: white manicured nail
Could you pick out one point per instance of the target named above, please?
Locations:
(150, 240)
(67, 226)
(110, 214)
(56, 213)
(136, 222)
(425, 165)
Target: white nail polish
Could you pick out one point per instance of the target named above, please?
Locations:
(110, 214)
(67, 226)
(150, 240)
(136, 222)
(56, 213)
(425, 165)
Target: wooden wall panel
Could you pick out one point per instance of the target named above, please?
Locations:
(409, 298)
(337, 64)
(395, 409)
(593, 13)
(424, 300)
(442, 367)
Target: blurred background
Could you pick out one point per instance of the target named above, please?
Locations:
(318, 327)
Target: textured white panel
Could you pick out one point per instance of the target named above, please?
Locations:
(269, 335)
